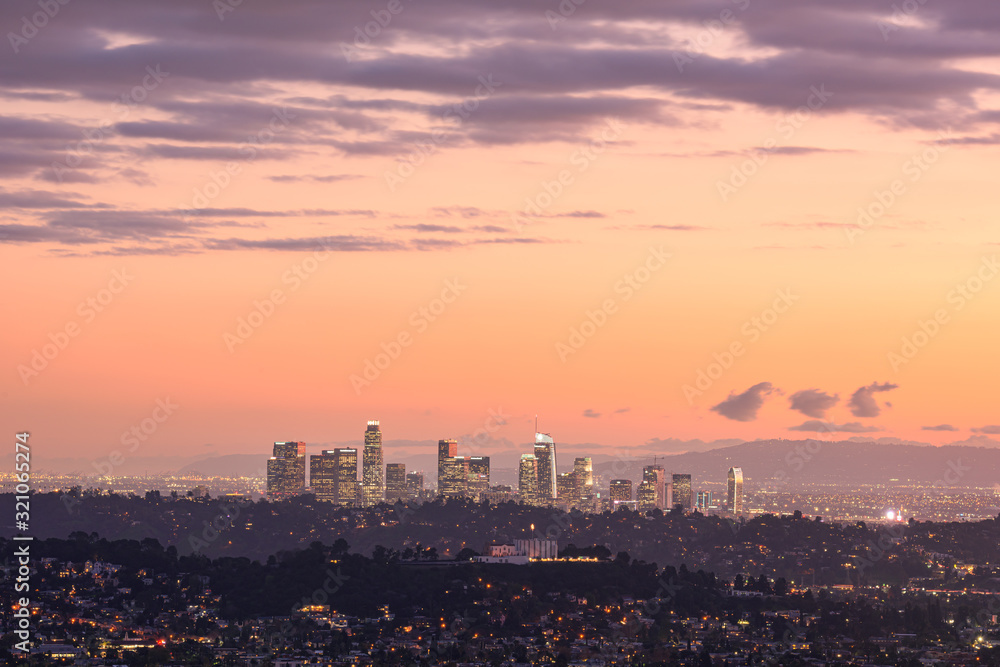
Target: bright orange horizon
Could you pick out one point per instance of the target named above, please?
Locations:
(634, 221)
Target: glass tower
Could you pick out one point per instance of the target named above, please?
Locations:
(286, 471)
(372, 474)
(734, 498)
(545, 454)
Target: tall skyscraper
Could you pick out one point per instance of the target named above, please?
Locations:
(372, 474)
(453, 480)
(347, 475)
(414, 484)
(527, 479)
(479, 476)
(395, 482)
(286, 471)
(447, 449)
(620, 490)
(656, 476)
(584, 468)
(545, 454)
(568, 487)
(323, 475)
(734, 498)
(682, 492)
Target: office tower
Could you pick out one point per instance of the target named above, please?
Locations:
(453, 481)
(621, 490)
(479, 476)
(527, 479)
(372, 475)
(347, 475)
(568, 487)
(545, 455)
(584, 468)
(286, 471)
(395, 482)
(414, 484)
(682, 492)
(323, 475)
(447, 449)
(734, 498)
(704, 500)
(657, 479)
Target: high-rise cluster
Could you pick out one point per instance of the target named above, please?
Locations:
(333, 478)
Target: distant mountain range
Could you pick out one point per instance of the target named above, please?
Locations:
(797, 462)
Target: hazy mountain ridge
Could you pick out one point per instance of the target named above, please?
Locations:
(796, 462)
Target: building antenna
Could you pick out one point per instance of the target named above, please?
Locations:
(536, 423)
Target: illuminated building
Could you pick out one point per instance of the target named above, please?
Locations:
(323, 475)
(654, 478)
(545, 455)
(527, 479)
(682, 492)
(447, 449)
(286, 471)
(620, 490)
(704, 500)
(395, 482)
(568, 487)
(479, 476)
(372, 475)
(414, 484)
(734, 497)
(584, 468)
(455, 480)
(347, 475)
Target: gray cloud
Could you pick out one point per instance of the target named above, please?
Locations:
(813, 402)
(940, 427)
(990, 430)
(743, 407)
(862, 403)
(591, 414)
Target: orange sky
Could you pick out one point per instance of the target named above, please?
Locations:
(501, 341)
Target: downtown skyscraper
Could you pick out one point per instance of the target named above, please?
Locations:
(527, 479)
(545, 454)
(395, 482)
(372, 473)
(682, 492)
(734, 495)
(286, 471)
(447, 449)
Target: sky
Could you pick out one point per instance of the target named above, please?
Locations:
(650, 224)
